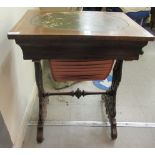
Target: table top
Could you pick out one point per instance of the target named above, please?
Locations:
(79, 35)
(105, 25)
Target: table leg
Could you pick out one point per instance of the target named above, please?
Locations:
(42, 101)
(110, 97)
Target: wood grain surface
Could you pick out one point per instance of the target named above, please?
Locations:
(79, 35)
(107, 25)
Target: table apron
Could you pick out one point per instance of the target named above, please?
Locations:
(34, 50)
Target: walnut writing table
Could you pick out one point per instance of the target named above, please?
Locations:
(79, 36)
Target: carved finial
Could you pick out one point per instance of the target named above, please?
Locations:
(78, 93)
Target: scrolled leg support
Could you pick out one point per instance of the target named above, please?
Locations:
(110, 97)
(43, 100)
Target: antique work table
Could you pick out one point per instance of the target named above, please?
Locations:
(79, 36)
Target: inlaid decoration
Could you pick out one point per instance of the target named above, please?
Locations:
(74, 21)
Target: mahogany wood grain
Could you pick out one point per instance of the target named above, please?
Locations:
(88, 24)
(79, 35)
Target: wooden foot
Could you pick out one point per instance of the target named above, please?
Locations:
(113, 129)
(40, 137)
(111, 112)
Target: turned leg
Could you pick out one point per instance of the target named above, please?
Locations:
(110, 97)
(42, 101)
